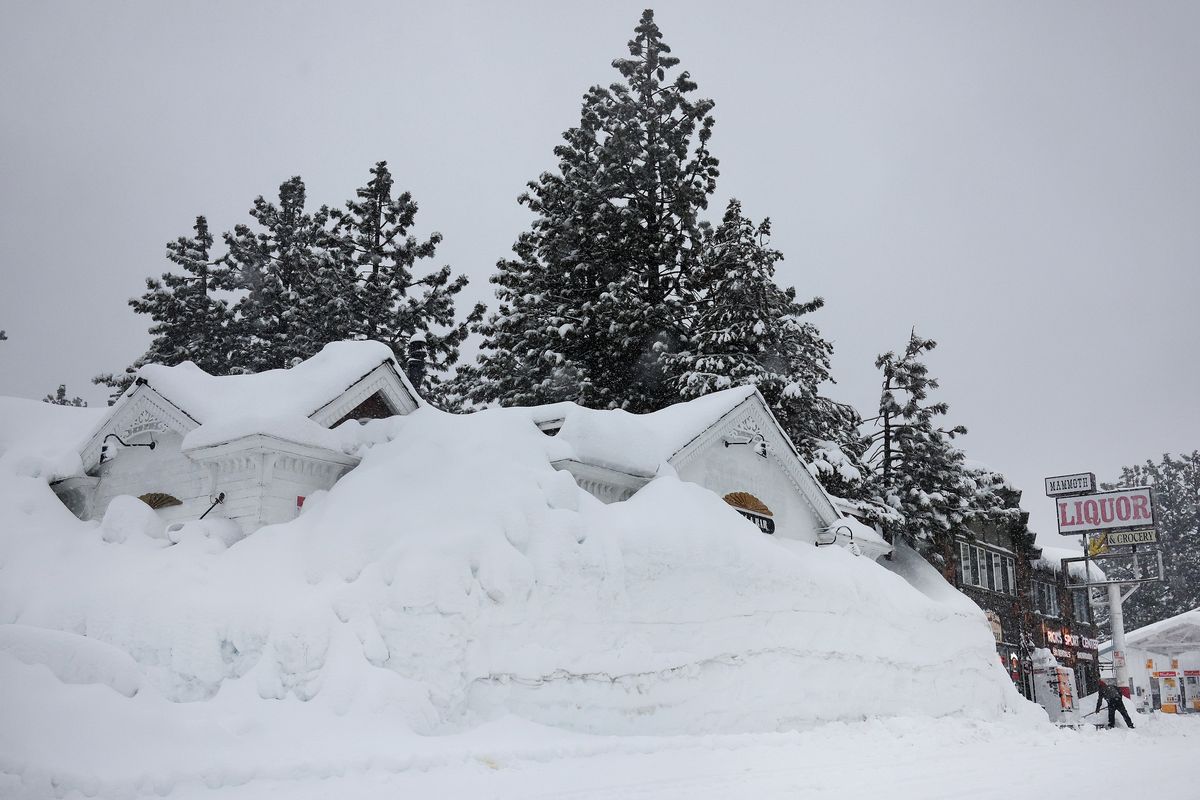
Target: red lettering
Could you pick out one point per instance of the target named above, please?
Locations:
(1123, 508)
(1063, 522)
(1091, 512)
(1106, 509)
(1141, 506)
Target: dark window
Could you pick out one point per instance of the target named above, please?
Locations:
(1080, 600)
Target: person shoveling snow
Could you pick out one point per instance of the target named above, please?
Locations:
(1116, 702)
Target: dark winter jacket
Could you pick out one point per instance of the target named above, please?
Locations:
(1112, 694)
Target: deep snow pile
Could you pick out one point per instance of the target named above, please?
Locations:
(454, 577)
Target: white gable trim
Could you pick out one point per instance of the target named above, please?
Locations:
(752, 416)
(397, 392)
(143, 410)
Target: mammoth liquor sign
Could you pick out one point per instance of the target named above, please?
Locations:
(1105, 511)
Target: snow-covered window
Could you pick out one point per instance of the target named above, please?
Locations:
(1012, 577)
(990, 570)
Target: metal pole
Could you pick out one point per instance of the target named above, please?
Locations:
(1117, 620)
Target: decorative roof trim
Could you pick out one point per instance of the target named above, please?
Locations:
(137, 412)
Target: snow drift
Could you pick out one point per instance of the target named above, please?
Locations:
(451, 579)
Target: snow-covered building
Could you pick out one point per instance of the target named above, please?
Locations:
(248, 448)
(728, 442)
(252, 448)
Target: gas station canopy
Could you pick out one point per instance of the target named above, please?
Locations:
(1178, 634)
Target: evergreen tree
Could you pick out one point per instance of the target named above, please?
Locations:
(591, 301)
(1176, 484)
(389, 303)
(741, 328)
(59, 398)
(296, 283)
(190, 323)
(304, 279)
(920, 472)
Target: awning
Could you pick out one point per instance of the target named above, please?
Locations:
(1170, 637)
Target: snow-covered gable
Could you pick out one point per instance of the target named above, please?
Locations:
(298, 405)
(728, 442)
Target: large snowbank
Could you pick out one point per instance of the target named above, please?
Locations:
(42, 440)
(452, 579)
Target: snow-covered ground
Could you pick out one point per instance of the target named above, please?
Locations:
(898, 759)
(456, 618)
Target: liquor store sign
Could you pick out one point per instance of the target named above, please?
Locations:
(1106, 511)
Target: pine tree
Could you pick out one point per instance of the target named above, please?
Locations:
(742, 328)
(1176, 484)
(591, 301)
(304, 280)
(59, 398)
(294, 279)
(389, 303)
(920, 472)
(190, 323)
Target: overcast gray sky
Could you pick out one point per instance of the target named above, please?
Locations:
(1020, 181)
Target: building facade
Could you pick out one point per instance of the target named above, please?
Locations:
(246, 448)
(1023, 592)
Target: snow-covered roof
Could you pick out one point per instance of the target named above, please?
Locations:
(302, 389)
(1051, 559)
(637, 443)
(1171, 636)
(281, 403)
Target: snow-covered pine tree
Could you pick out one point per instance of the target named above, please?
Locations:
(296, 283)
(920, 472)
(741, 327)
(1176, 483)
(189, 322)
(389, 303)
(59, 398)
(591, 301)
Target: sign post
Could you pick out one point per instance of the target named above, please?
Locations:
(1123, 518)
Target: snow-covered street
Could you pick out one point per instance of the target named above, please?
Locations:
(900, 759)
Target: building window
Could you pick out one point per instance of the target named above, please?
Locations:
(1079, 599)
(1045, 598)
(986, 569)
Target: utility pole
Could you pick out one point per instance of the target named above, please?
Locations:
(1117, 621)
